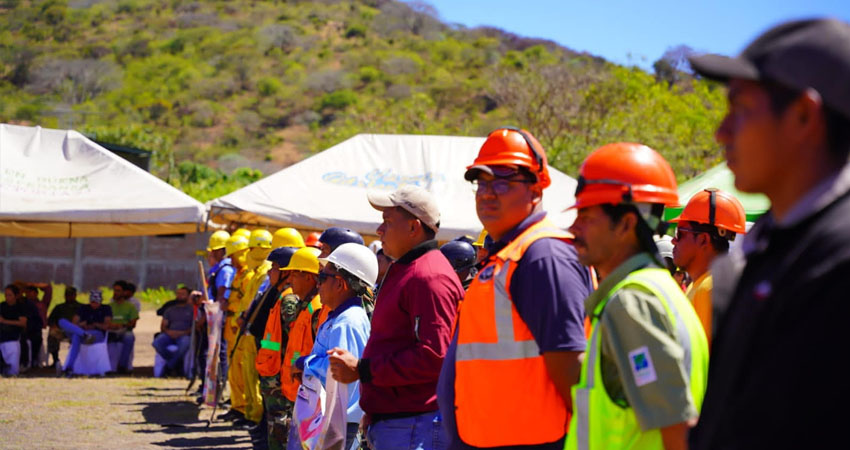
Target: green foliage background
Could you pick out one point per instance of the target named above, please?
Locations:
(267, 82)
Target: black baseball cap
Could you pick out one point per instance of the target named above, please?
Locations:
(800, 54)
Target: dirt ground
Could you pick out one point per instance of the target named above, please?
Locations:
(38, 410)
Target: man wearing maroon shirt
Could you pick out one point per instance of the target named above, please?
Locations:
(411, 327)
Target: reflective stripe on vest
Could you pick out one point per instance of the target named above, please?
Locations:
(495, 351)
(598, 422)
(269, 345)
(267, 361)
(300, 343)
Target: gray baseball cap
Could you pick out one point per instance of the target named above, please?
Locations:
(800, 55)
(413, 199)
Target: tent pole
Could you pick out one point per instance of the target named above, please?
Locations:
(143, 267)
(7, 266)
(78, 264)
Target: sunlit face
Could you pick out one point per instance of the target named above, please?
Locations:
(331, 288)
(594, 236)
(117, 292)
(302, 282)
(501, 212)
(756, 150)
(395, 232)
(326, 250)
(685, 245)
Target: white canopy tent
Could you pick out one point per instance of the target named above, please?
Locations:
(329, 188)
(58, 183)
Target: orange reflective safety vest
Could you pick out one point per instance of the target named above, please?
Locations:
(503, 393)
(301, 338)
(268, 356)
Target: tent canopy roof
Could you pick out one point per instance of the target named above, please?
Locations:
(58, 183)
(329, 188)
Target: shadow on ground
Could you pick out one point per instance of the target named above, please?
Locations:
(182, 422)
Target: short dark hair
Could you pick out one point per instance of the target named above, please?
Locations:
(837, 125)
(429, 233)
(355, 284)
(70, 290)
(184, 287)
(120, 283)
(15, 290)
(31, 287)
(719, 243)
(643, 233)
(129, 287)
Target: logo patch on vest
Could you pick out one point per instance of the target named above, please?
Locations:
(487, 273)
(642, 367)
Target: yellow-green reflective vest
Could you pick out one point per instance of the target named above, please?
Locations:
(598, 422)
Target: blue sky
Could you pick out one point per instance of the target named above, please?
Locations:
(615, 29)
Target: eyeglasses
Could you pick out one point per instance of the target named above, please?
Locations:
(325, 276)
(499, 186)
(680, 236)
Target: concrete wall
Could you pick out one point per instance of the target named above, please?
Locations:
(147, 261)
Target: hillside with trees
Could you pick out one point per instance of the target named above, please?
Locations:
(224, 91)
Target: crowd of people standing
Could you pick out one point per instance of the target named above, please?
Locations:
(545, 338)
(583, 338)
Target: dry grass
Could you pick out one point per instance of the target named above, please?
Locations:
(39, 411)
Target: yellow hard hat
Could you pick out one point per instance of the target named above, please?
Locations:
(234, 244)
(217, 240)
(243, 232)
(304, 259)
(287, 237)
(260, 238)
(480, 241)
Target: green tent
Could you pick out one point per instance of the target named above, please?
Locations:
(719, 177)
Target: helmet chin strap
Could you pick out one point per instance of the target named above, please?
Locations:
(651, 213)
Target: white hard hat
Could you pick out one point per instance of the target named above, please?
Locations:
(665, 246)
(357, 260)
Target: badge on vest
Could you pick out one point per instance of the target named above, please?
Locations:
(486, 274)
(642, 367)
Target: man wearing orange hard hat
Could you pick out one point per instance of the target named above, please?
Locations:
(520, 335)
(711, 219)
(644, 373)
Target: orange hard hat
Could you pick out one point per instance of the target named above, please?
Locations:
(313, 239)
(625, 173)
(715, 208)
(509, 146)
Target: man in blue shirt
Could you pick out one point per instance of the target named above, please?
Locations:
(547, 289)
(348, 272)
(220, 279)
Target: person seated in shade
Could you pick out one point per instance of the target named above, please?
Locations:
(88, 326)
(176, 330)
(66, 311)
(124, 317)
(13, 322)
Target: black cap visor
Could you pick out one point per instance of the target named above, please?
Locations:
(723, 68)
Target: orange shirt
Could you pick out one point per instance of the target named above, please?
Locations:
(699, 293)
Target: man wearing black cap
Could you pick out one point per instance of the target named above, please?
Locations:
(772, 380)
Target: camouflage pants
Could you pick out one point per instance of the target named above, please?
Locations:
(278, 411)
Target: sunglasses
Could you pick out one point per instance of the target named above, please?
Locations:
(680, 236)
(323, 276)
(499, 186)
